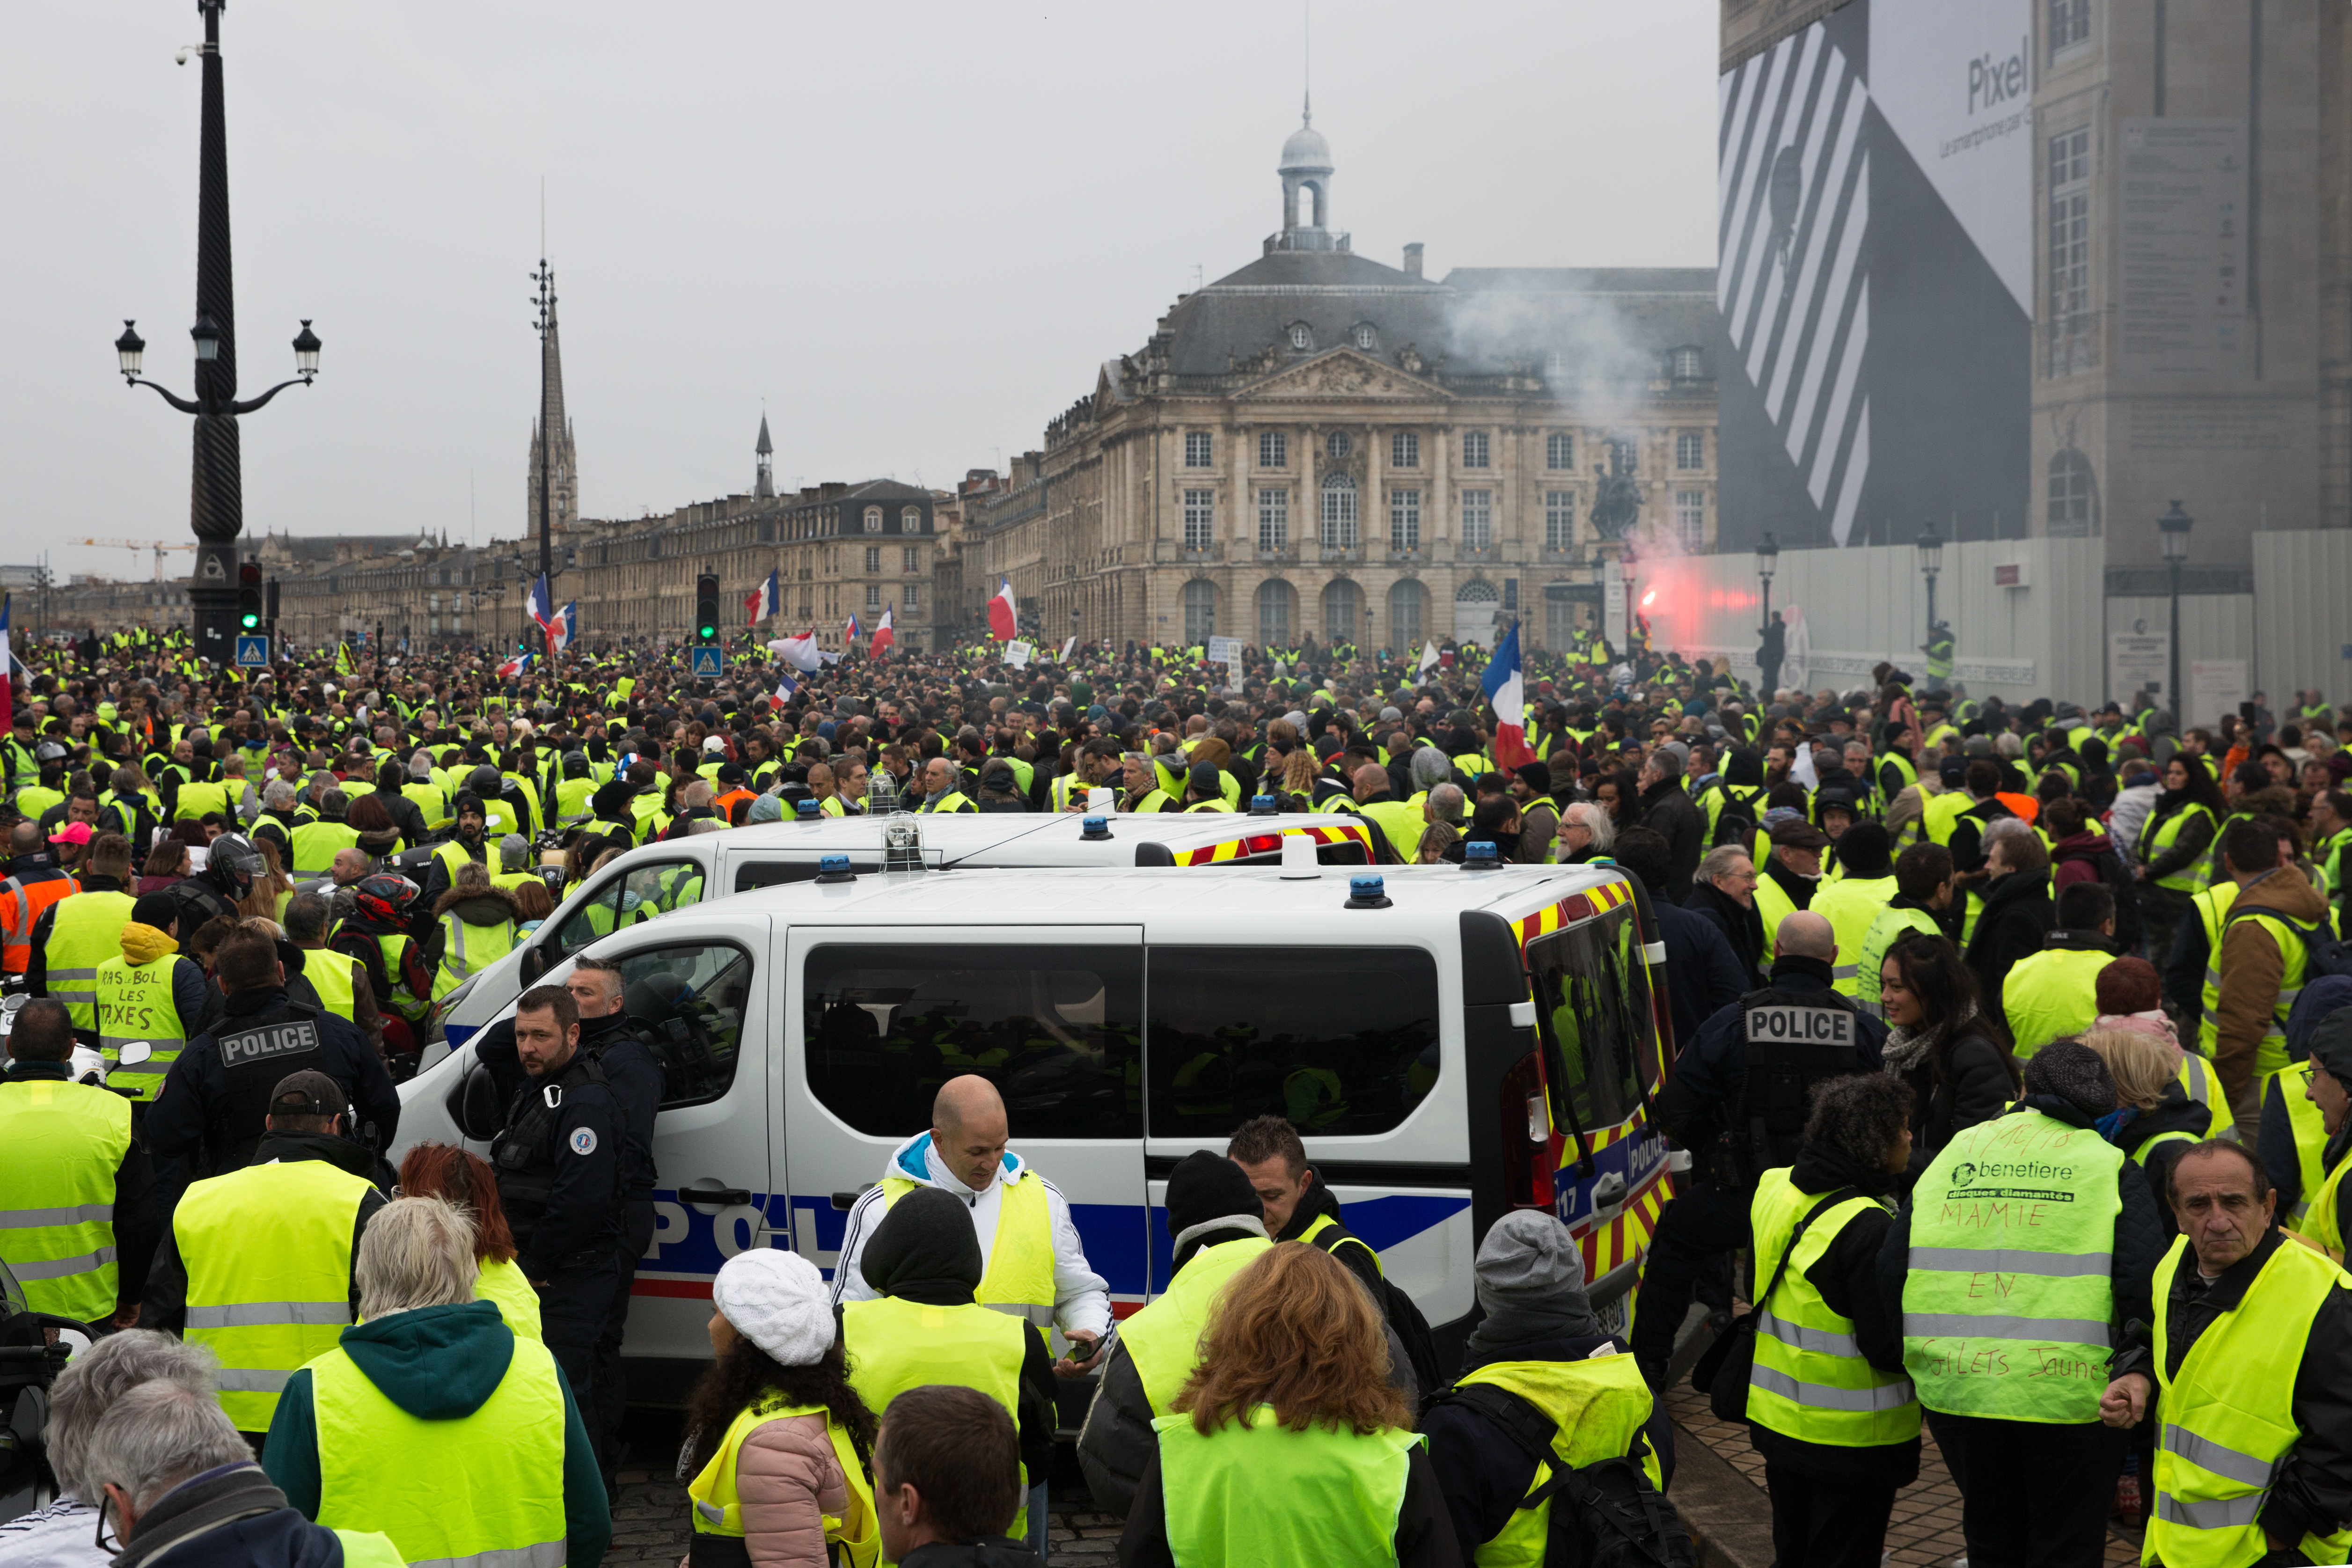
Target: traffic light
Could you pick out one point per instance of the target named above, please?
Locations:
(705, 610)
(273, 602)
(248, 596)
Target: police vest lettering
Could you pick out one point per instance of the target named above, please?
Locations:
(261, 1044)
(1800, 1026)
(254, 1059)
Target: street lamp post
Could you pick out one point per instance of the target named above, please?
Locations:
(217, 495)
(1628, 563)
(1767, 556)
(2174, 527)
(1931, 561)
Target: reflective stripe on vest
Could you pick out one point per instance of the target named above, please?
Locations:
(269, 1255)
(1020, 1273)
(135, 1003)
(1599, 1407)
(1257, 1492)
(2270, 1052)
(490, 944)
(1163, 1339)
(719, 1507)
(497, 1496)
(2007, 1307)
(85, 931)
(60, 1146)
(25, 903)
(1809, 1379)
(2222, 1433)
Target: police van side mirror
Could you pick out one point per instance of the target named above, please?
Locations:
(533, 964)
(134, 1053)
(475, 1106)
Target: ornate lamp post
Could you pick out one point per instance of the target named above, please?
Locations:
(216, 503)
(1931, 561)
(2174, 527)
(1767, 556)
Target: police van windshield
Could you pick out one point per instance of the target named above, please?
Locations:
(1593, 1009)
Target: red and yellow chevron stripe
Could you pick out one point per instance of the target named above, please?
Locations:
(1269, 843)
(1576, 907)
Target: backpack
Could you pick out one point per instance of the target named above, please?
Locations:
(2323, 955)
(1604, 1515)
(1402, 1313)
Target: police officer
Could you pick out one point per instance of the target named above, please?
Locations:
(214, 1106)
(2253, 1459)
(84, 1229)
(1739, 1122)
(2028, 1243)
(561, 1183)
(257, 1264)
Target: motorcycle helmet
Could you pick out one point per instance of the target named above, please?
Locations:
(382, 896)
(233, 863)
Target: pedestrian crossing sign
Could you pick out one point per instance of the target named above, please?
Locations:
(706, 662)
(252, 652)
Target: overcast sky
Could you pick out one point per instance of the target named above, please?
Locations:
(913, 230)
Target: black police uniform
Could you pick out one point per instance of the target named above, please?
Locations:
(1736, 1101)
(214, 1107)
(560, 1165)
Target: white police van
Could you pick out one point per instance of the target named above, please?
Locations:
(657, 879)
(1468, 1042)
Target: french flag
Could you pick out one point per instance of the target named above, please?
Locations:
(1506, 691)
(1003, 623)
(540, 606)
(564, 630)
(766, 602)
(785, 687)
(851, 632)
(800, 652)
(517, 666)
(882, 635)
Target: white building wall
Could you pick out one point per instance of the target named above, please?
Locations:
(2303, 580)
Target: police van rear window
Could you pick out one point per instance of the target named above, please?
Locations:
(1058, 1029)
(1339, 1040)
(1592, 1012)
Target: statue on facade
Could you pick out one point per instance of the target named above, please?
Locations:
(1616, 496)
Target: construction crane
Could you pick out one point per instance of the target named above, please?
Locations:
(138, 546)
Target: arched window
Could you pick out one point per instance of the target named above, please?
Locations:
(1343, 615)
(2072, 497)
(1337, 445)
(873, 520)
(1475, 606)
(1405, 600)
(1199, 611)
(1339, 512)
(910, 519)
(1274, 612)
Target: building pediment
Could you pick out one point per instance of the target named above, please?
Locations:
(1345, 372)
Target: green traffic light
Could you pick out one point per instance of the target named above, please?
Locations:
(710, 632)
(251, 621)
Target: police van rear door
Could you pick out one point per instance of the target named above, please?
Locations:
(876, 1017)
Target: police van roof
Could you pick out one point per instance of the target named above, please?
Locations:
(1176, 903)
(1000, 838)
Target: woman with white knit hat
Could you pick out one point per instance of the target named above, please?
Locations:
(779, 1448)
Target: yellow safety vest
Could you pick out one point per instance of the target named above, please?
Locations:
(1773, 905)
(453, 858)
(1850, 904)
(2051, 994)
(2156, 838)
(460, 960)
(517, 1302)
(1600, 1407)
(1163, 1337)
(2270, 1053)
(2211, 908)
(2310, 1129)
(1811, 1380)
(196, 800)
(337, 978)
(60, 1146)
(1020, 1273)
(134, 1004)
(85, 931)
(497, 1496)
(2220, 1429)
(895, 1345)
(1258, 1492)
(431, 804)
(269, 1255)
(316, 845)
(1888, 927)
(719, 1507)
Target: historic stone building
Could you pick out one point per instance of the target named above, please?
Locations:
(1321, 445)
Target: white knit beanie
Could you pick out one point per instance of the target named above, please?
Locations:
(778, 1300)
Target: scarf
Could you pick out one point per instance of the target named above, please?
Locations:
(1908, 1047)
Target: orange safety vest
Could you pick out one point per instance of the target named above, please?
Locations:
(21, 904)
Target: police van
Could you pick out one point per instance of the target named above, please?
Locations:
(654, 880)
(1453, 1044)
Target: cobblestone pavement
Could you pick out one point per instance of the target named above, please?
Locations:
(1925, 1530)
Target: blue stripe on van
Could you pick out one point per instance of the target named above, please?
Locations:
(1381, 1222)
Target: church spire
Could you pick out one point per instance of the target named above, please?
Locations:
(552, 430)
(764, 486)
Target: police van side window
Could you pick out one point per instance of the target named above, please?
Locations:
(1592, 1012)
(690, 1000)
(1057, 1029)
(645, 893)
(1339, 1040)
